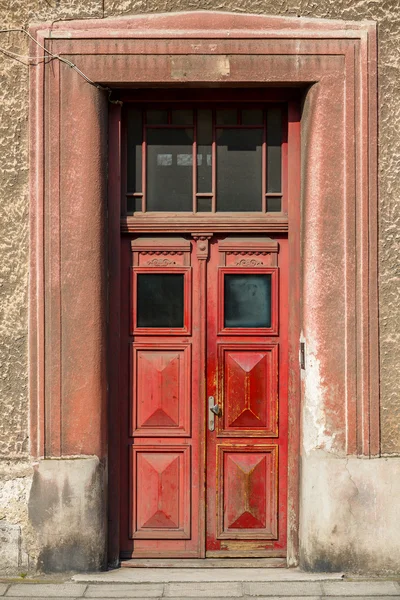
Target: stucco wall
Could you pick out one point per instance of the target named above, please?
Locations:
(16, 473)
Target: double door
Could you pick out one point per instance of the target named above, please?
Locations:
(204, 396)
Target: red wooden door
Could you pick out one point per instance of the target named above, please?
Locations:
(247, 390)
(162, 430)
(207, 329)
(204, 329)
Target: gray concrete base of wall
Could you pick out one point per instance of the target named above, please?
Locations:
(349, 514)
(67, 510)
(53, 515)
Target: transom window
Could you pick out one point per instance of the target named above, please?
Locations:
(205, 160)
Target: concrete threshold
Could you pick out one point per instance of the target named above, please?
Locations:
(204, 563)
(160, 575)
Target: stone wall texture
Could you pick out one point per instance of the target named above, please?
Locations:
(15, 472)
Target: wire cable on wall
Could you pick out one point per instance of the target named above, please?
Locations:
(48, 57)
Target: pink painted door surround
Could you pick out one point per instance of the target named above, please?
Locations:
(75, 270)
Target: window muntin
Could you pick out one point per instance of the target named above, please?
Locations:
(205, 160)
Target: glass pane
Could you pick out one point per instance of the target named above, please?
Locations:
(274, 141)
(252, 117)
(247, 300)
(133, 204)
(169, 169)
(204, 157)
(274, 204)
(182, 117)
(204, 204)
(134, 151)
(204, 127)
(157, 117)
(239, 165)
(160, 300)
(204, 169)
(227, 117)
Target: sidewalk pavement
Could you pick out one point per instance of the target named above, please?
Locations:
(221, 584)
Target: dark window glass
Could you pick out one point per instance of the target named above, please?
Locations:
(204, 127)
(247, 300)
(239, 165)
(274, 204)
(133, 204)
(169, 170)
(134, 151)
(157, 117)
(252, 117)
(160, 300)
(204, 157)
(182, 117)
(204, 204)
(274, 141)
(204, 172)
(227, 117)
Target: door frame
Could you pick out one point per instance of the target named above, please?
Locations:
(336, 63)
(291, 227)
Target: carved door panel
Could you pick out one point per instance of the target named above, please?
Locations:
(161, 426)
(247, 389)
(206, 329)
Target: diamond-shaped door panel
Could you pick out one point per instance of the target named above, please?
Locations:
(160, 492)
(248, 390)
(161, 390)
(248, 501)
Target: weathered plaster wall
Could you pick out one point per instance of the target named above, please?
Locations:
(16, 471)
(354, 527)
(66, 505)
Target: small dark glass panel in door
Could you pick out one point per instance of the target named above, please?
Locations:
(160, 300)
(247, 300)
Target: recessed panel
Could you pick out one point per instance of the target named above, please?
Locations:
(248, 390)
(161, 390)
(247, 506)
(160, 489)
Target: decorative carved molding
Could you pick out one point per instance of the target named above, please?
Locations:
(160, 262)
(202, 244)
(248, 253)
(249, 262)
(182, 223)
(161, 253)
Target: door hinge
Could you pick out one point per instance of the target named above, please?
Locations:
(302, 355)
